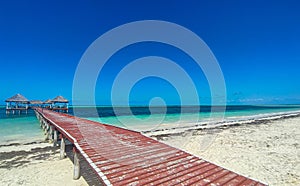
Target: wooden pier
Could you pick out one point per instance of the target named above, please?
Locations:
(124, 157)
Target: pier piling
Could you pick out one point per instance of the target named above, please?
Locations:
(50, 134)
(76, 174)
(62, 148)
(55, 136)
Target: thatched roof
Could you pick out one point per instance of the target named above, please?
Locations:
(60, 99)
(48, 101)
(36, 102)
(17, 98)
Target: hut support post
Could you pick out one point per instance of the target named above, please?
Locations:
(76, 174)
(7, 107)
(62, 148)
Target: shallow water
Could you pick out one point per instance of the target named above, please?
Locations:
(144, 121)
(20, 130)
(25, 128)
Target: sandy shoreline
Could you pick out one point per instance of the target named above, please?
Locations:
(175, 128)
(268, 151)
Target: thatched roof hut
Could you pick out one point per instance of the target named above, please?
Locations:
(18, 98)
(60, 104)
(17, 103)
(60, 99)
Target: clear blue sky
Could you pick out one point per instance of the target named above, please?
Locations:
(257, 44)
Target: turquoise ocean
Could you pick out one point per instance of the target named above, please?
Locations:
(24, 128)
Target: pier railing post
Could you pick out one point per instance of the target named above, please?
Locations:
(76, 174)
(62, 148)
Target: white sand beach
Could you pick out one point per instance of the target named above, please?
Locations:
(268, 152)
(35, 164)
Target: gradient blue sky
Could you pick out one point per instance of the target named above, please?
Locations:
(257, 44)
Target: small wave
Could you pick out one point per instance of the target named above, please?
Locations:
(226, 122)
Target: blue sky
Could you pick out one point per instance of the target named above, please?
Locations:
(255, 42)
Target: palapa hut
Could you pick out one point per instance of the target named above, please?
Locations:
(60, 104)
(16, 103)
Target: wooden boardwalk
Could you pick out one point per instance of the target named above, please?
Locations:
(124, 157)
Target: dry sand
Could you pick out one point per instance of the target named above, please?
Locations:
(35, 164)
(268, 152)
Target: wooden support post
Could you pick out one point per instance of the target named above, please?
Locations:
(62, 148)
(47, 125)
(43, 124)
(50, 134)
(55, 136)
(76, 174)
(46, 131)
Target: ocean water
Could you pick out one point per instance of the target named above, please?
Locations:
(24, 128)
(19, 128)
(142, 119)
